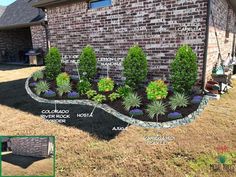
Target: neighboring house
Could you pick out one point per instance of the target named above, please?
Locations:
(21, 29)
(35, 146)
(159, 27)
(2, 9)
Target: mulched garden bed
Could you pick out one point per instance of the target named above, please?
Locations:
(118, 105)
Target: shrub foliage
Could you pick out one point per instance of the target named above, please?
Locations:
(135, 66)
(184, 70)
(87, 63)
(62, 79)
(105, 85)
(53, 63)
(157, 90)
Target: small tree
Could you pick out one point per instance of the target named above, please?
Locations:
(87, 63)
(135, 66)
(184, 70)
(53, 63)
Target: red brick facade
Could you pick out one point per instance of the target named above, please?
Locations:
(220, 11)
(12, 42)
(159, 27)
(38, 37)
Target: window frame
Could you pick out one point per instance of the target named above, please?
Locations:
(101, 6)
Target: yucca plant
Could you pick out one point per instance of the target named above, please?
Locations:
(37, 75)
(178, 100)
(132, 100)
(41, 87)
(155, 109)
(65, 88)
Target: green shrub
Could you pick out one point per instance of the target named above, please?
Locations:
(99, 98)
(123, 91)
(37, 75)
(157, 90)
(53, 63)
(178, 100)
(41, 87)
(63, 79)
(83, 86)
(132, 101)
(114, 96)
(156, 108)
(87, 63)
(105, 85)
(91, 93)
(135, 67)
(65, 88)
(184, 70)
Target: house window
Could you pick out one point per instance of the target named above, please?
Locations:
(99, 3)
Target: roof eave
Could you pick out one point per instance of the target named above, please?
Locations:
(25, 25)
(46, 3)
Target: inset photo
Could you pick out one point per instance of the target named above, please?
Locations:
(28, 156)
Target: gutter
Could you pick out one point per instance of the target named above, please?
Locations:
(20, 25)
(46, 3)
(206, 45)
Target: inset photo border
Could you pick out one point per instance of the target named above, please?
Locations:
(33, 156)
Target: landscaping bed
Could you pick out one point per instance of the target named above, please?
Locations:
(155, 101)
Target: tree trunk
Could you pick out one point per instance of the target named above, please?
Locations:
(157, 118)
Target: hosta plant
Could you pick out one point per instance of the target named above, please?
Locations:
(37, 75)
(105, 85)
(123, 91)
(41, 87)
(62, 79)
(83, 86)
(66, 88)
(99, 98)
(91, 93)
(157, 90)
(114, 96)
(49, 94)
(178, 100)
(155, 109)
(132, 100)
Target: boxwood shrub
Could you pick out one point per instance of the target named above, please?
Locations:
(184, 70)
(135, 67)
(53, 63)
(87, 63)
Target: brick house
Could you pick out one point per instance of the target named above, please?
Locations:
(21, 29)
(32, 146)
(159, 27)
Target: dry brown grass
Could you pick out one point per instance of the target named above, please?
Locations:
(80, 154)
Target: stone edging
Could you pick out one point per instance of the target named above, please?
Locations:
(171, 124)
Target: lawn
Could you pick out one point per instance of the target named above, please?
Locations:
(188, 150)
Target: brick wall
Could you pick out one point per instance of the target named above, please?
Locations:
(13, 41)
(220, 14)
(159, 27)
(38, 37)
(35, 147)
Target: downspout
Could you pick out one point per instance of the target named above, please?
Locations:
(206, 45)
(45, 25)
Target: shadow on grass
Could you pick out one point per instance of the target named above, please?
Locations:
(21, 161)
(13, 94)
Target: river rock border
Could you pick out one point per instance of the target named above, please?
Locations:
(171, 124)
